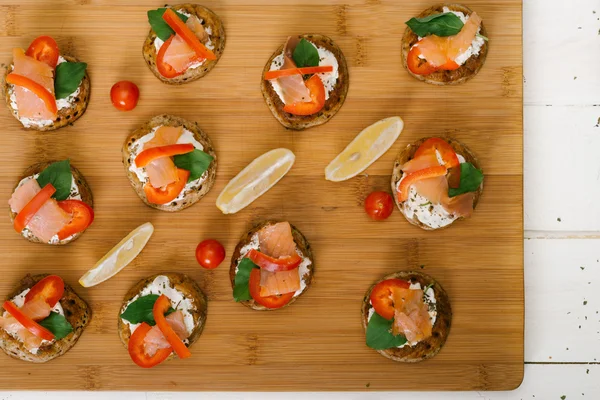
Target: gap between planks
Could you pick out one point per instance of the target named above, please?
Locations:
(533, 234)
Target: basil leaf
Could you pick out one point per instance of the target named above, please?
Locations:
(60, 176)
(57, 324)
(446, 24)
(141, 310)
(470, 180)
(379, 334)
(305, 54)
(241, 291)
(68, 78)
(197, 162)
(158, 24)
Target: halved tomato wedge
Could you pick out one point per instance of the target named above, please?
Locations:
(381, 296)
(272, 302)
(136, 348)
(50, 289)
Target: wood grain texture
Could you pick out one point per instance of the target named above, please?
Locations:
(318, 341)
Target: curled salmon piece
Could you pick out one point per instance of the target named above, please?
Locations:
(37, 310)
(28, 103)
(181, 55)
(277, 283)
(439, 51)
(293, 88)
(411, 315)
(276, 240)
(162, 171)
(156, 340)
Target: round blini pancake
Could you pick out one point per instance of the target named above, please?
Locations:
(76, 310)
(441, 328)
(217, 37)
(192, 195)
(302, 245)
(84, 191)
(408, 153)
(466, 71)
(185, 285)
(332, 104)
(66, 116)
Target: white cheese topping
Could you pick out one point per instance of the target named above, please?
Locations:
(138, 146)
(428, 299)
(19, 300)
(302, 268)
(433, 215)
(326, 58)
(162, 285)
(74, 195)
(209, 44)
(60, 104)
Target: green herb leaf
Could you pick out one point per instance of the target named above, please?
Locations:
(60, 176)
(57, 324)
(446, 24)
(470, 180)
(141, 310)
(158, 24)
(68, 78)
(305, 54)
(241, 291)
(379, 334)
(197, 162)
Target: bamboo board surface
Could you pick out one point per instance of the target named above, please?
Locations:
(318, 343)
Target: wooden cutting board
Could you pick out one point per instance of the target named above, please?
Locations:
(318, 343)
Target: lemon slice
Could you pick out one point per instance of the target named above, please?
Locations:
(365, 149)
(254, 180)
(119, 256)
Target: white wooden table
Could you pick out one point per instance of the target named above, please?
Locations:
(562, 218)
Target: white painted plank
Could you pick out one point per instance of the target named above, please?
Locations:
(561, 42)
(562, 168)
(542, 382)
(562, 300)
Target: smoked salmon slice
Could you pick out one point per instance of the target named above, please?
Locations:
(162, 171)
(155, 340)
(180, 55)
(276, 283)
(276, 240)
(439, 50)
(49, 219)
(37, 310)
(411, 315)
(293, 88)
(28, 103)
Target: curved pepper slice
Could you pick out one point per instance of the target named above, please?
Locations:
(447, 154)
(297, 71)
(138, 353)
(27, 322)
(50, 289)
(431, 172)
(317, 96)
(151, 154)
(187, 34)
(34, 205)
(160, 308)
(170, 192)
(271, 264)
(36, 88)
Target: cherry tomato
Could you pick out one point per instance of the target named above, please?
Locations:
(210, 253)
(50, 289)
(381, 296)
(44, 49)
(379, 205)
(124, 95)
(271, 302)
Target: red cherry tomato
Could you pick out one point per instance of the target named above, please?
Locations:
(210, 253)
(379, 205)
(124, 95)
(381, 296)
(44, 49)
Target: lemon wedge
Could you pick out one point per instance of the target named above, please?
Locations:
(254, 180)
(119, 256)
(365, 149)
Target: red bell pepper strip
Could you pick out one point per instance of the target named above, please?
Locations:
(149, 155)
(160, 308)
(27, 322)
(33, 207)
(82, 217)
(317, 96)
(187, 34)
(448, 155)
(36, 88)
(300, 71)
(271, 264)
(50, 289)
(431, 172)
